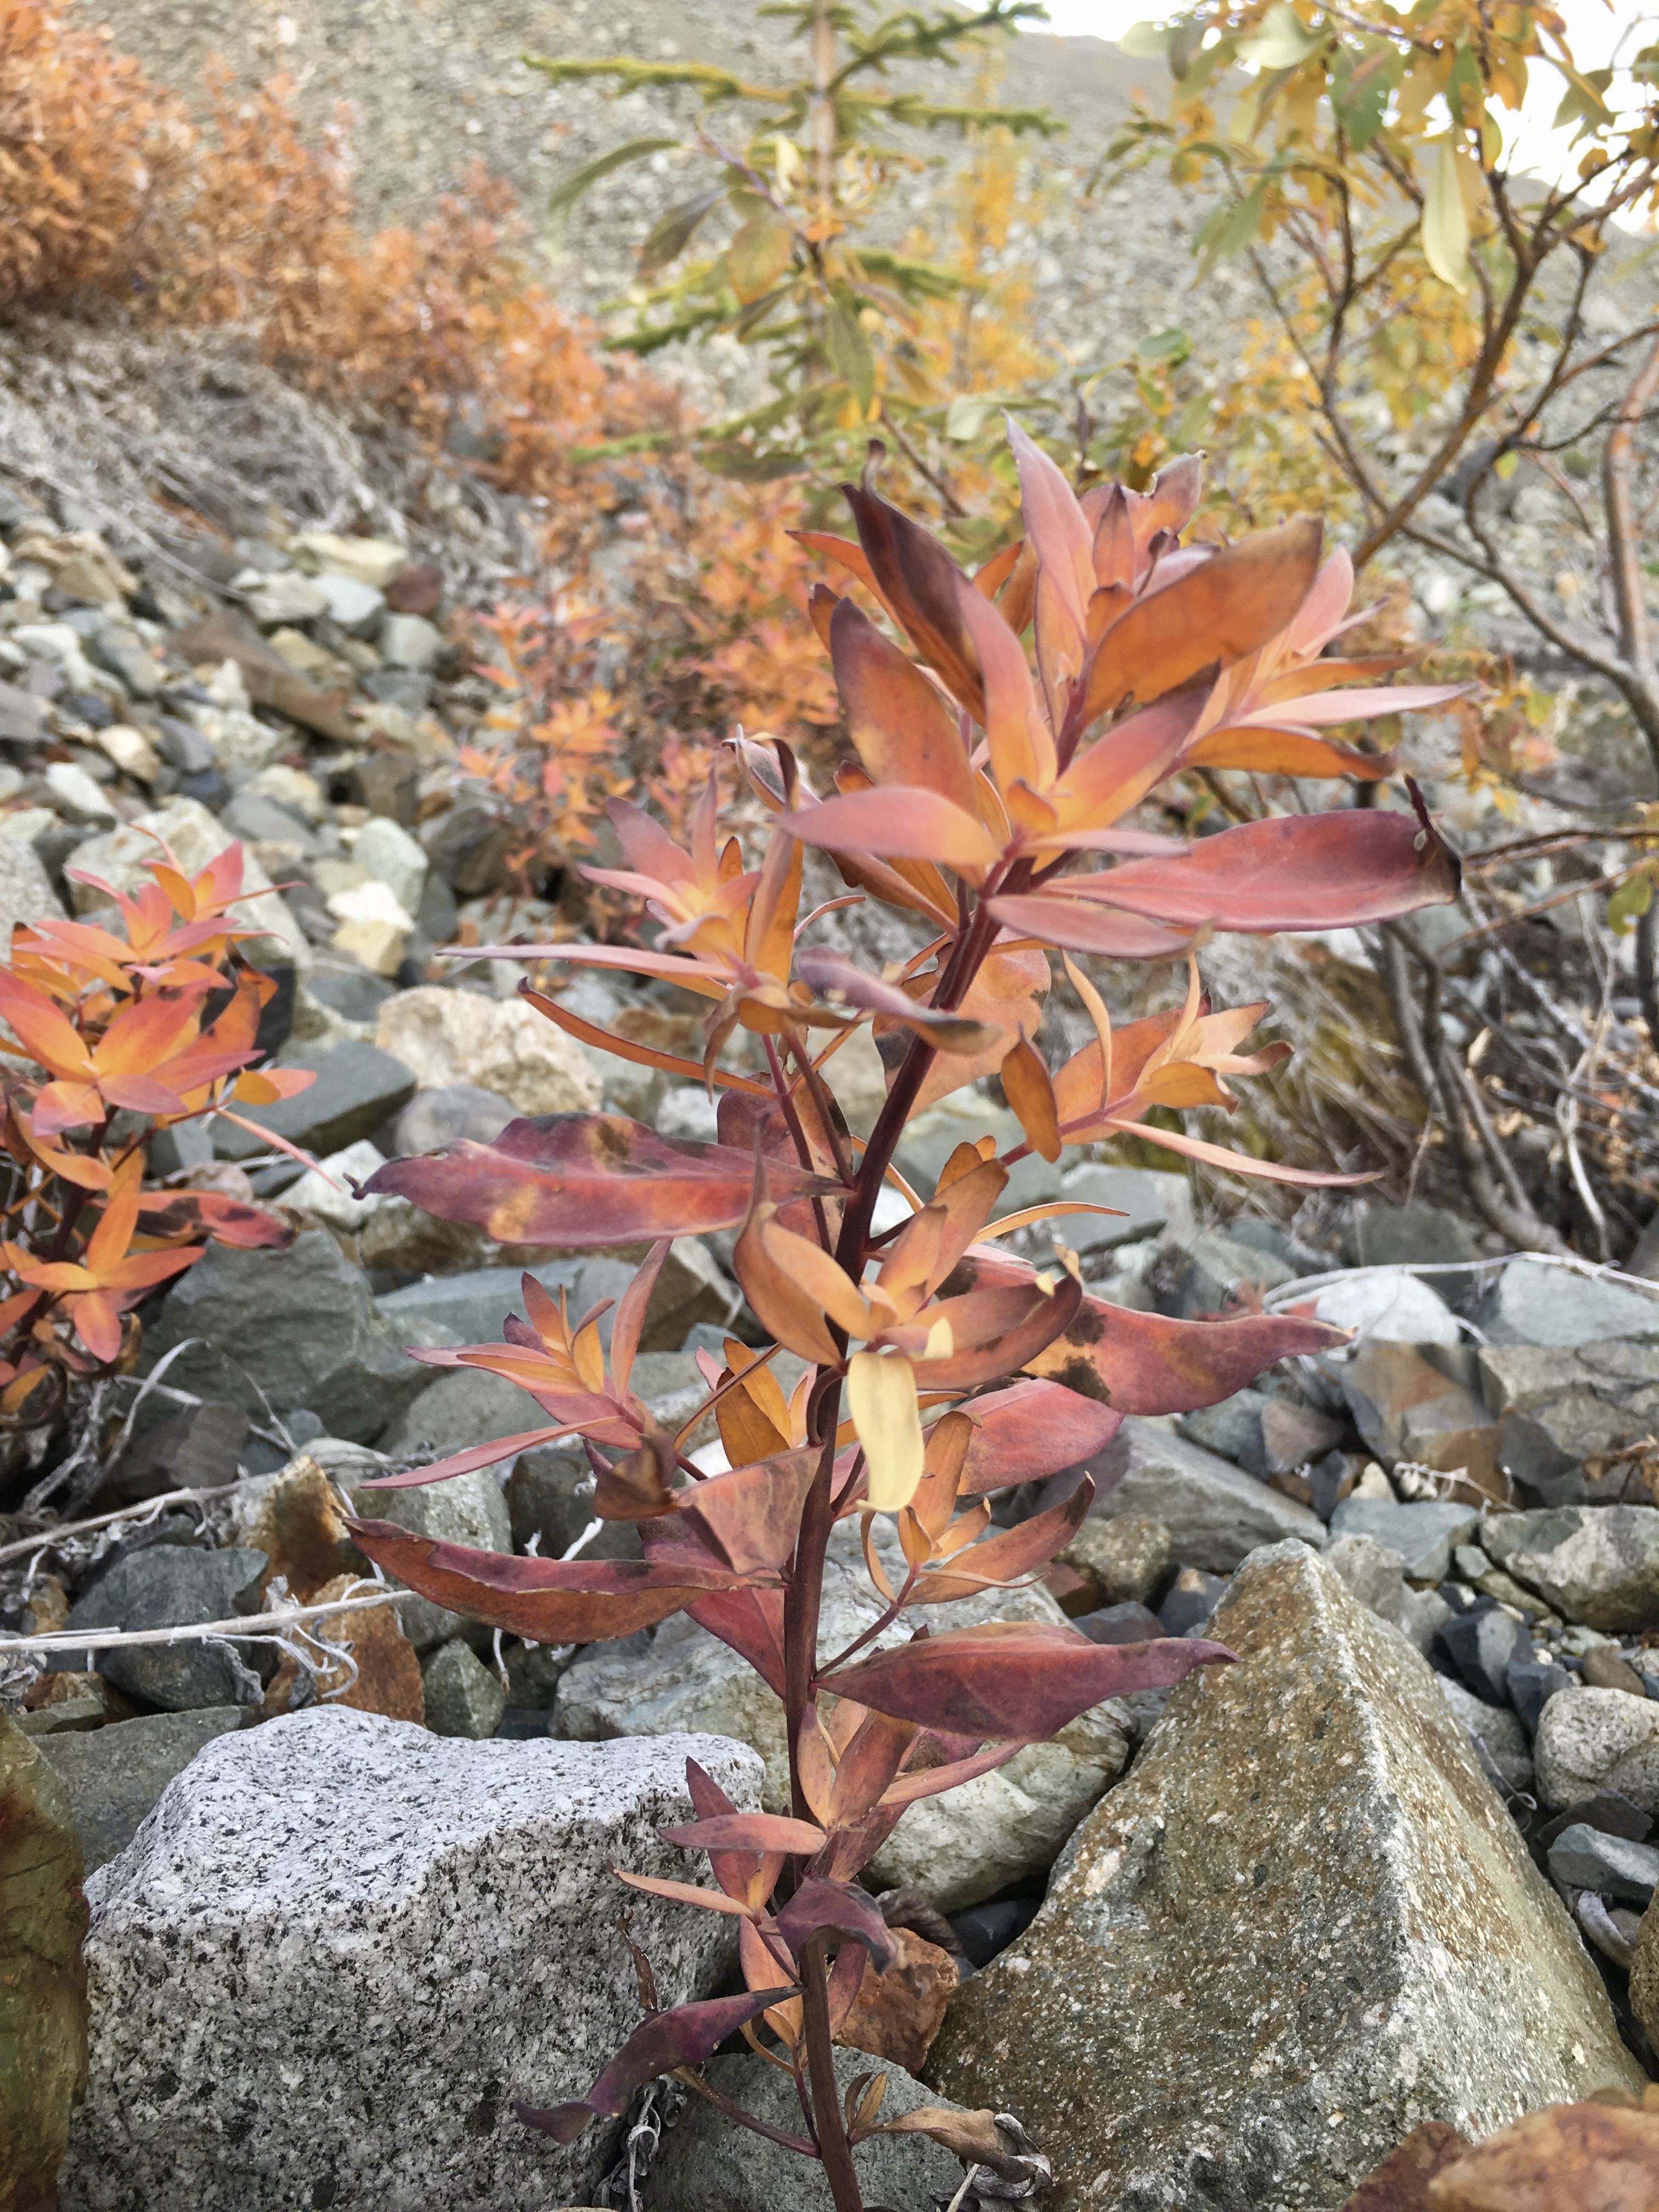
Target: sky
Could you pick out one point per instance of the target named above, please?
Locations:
(1593, 30)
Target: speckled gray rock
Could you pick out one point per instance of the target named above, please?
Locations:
(166, 1586)
(957, 1848)
(301, 1325)
(340, 1946)
(708, 2165)
(464, 1698)
(1589, 1740)
(1596, 1564)
(1373, 1572)
(1215, 1514)
(1498, 1728)
(114, 1774)
(1303, 1924)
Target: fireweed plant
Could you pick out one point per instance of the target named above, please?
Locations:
(117, 1037)
(988, 797)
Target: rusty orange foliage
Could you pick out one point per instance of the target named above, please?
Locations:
(111, 1038)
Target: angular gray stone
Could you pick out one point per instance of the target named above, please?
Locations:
(1386, 1236)
(1612, 1865)
(465, 1406)
(959, 1848)
(475, 1303)
(1597, 1564)
(1590, 1740)
(26, 891)
(1422, 1534)
(423, 1929)
(464, 1698)
(1232, 1427)
(166, 1587)
(1373, 1572)
(1126, 1558)
(357, 608)
(358, 1086)
(453, 1109)
(114, 1774)
(706, 2164)
(410, 641)
(1216, 1267)
(1303, 1925)
(1147, 1204)
(1393, 1308)
(1500, 1733)
(1215, 1515)
(550, 1496)
(1538, 1305)
(299, 1325)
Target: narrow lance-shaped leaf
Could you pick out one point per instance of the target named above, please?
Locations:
(1012, 1678)
(685, 2037)
(580, 1180)
(1353, 866)
(1146, 1364)
(545, 1601)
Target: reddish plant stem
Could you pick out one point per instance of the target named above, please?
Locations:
(831, 2131)
(803, 1600)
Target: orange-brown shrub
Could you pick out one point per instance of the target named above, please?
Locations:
(87, 148)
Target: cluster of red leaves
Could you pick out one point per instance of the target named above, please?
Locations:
(991, 797)
(115, 1036)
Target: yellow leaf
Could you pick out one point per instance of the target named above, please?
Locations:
(881, 1394)
(759, 254)
(1445, 218)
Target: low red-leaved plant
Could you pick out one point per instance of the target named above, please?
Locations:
(118, 1036)
(941, 1369)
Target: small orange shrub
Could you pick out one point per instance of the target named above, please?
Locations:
(87, 149)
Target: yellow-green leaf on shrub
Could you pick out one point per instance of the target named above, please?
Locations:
(759, 254)
(1445, 219)
(849, 350)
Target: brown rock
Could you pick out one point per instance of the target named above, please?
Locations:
(895, 2015)
(1592, 2157)
(1644, 1975)
(48, 1689)
(388, 1672)
(1293, 1435)
(1607, 1668)
(227, 635)
(388, 783)
(1125, 1558)
(301, 1528)
(1407, 1408)
(1400, 2183)
(43, 1983)
(417, 589)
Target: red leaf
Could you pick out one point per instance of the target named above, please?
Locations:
(1340, 869)
(1083, 926)
(1131, 1362)
(895, 825)
(751, 1517)
(998, 1329)
(1005, 1557)
(1225, 607)
(210, 1213)
(578, 1180)
(822, 1907)
(1012, 1677)
(1144, 1363)
(934, 1780)
(750, 1623)
(545, 1601)
(733, 1870)
(1032, 1430)
(916, 579)
(685, 2037)
(901, 728)
(748, 1832)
